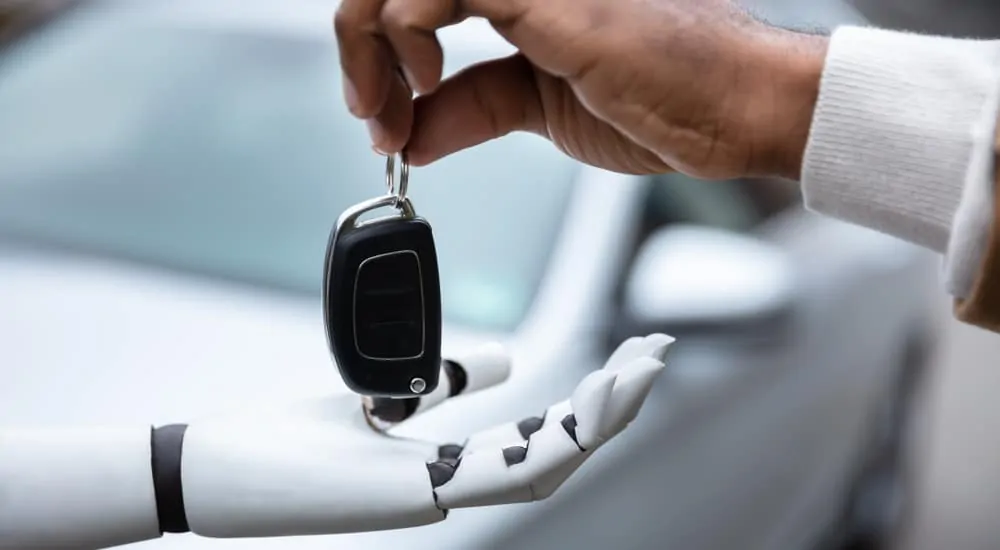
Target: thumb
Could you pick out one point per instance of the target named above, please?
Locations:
(483, 102)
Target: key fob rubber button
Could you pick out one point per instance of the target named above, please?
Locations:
(389, 307)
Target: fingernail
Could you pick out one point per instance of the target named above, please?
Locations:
(351, 95)
(409, 80)
(377, 134)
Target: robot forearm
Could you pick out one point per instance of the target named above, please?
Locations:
(76, 488)
(286, 479)
(96, 488)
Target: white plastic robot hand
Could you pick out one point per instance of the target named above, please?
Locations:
(328, 467)
(321, 467)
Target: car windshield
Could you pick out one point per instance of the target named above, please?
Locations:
(229, 153)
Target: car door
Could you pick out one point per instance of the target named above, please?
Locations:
(799, 413)
(716, 461)
(736, 464)
(797, 420)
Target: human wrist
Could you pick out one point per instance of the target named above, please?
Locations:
(782, 99)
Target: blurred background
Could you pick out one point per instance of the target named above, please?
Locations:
(169, 175)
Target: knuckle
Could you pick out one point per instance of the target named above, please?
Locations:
(344, 22)
(393, 13)
(401, 14)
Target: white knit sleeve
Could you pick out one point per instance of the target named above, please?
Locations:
(902, 141)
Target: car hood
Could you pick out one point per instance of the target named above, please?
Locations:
(84, 341)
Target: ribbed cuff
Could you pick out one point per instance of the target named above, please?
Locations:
(974, 219)
(897, 122)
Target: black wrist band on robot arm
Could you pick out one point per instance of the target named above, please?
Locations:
(167, 445)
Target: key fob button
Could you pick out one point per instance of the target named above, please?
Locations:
(389, 307)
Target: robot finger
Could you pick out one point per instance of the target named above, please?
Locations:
(654, 345)
(632, 385)
(557, 445)
(513, 434)
(482, 368)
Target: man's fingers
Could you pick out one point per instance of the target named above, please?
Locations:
(390, 128)
(375, 35)
(365, 58)
(409, 26)
(481, 103)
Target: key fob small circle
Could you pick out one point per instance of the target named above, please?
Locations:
(418, 385)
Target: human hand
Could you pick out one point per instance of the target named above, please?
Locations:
(329, 466)
(634, 86)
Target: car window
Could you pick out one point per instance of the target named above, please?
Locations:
(230, 154)
(736, 205)
(676, 198)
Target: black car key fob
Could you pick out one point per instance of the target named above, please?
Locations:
(382, 299)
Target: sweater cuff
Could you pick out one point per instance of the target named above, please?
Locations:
(980, 304)
(896, 129)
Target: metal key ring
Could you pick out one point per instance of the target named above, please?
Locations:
(404, 176)
(373, 422)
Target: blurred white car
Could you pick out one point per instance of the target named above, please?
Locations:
(169, 173)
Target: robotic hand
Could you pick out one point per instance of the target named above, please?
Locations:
(321, 467)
